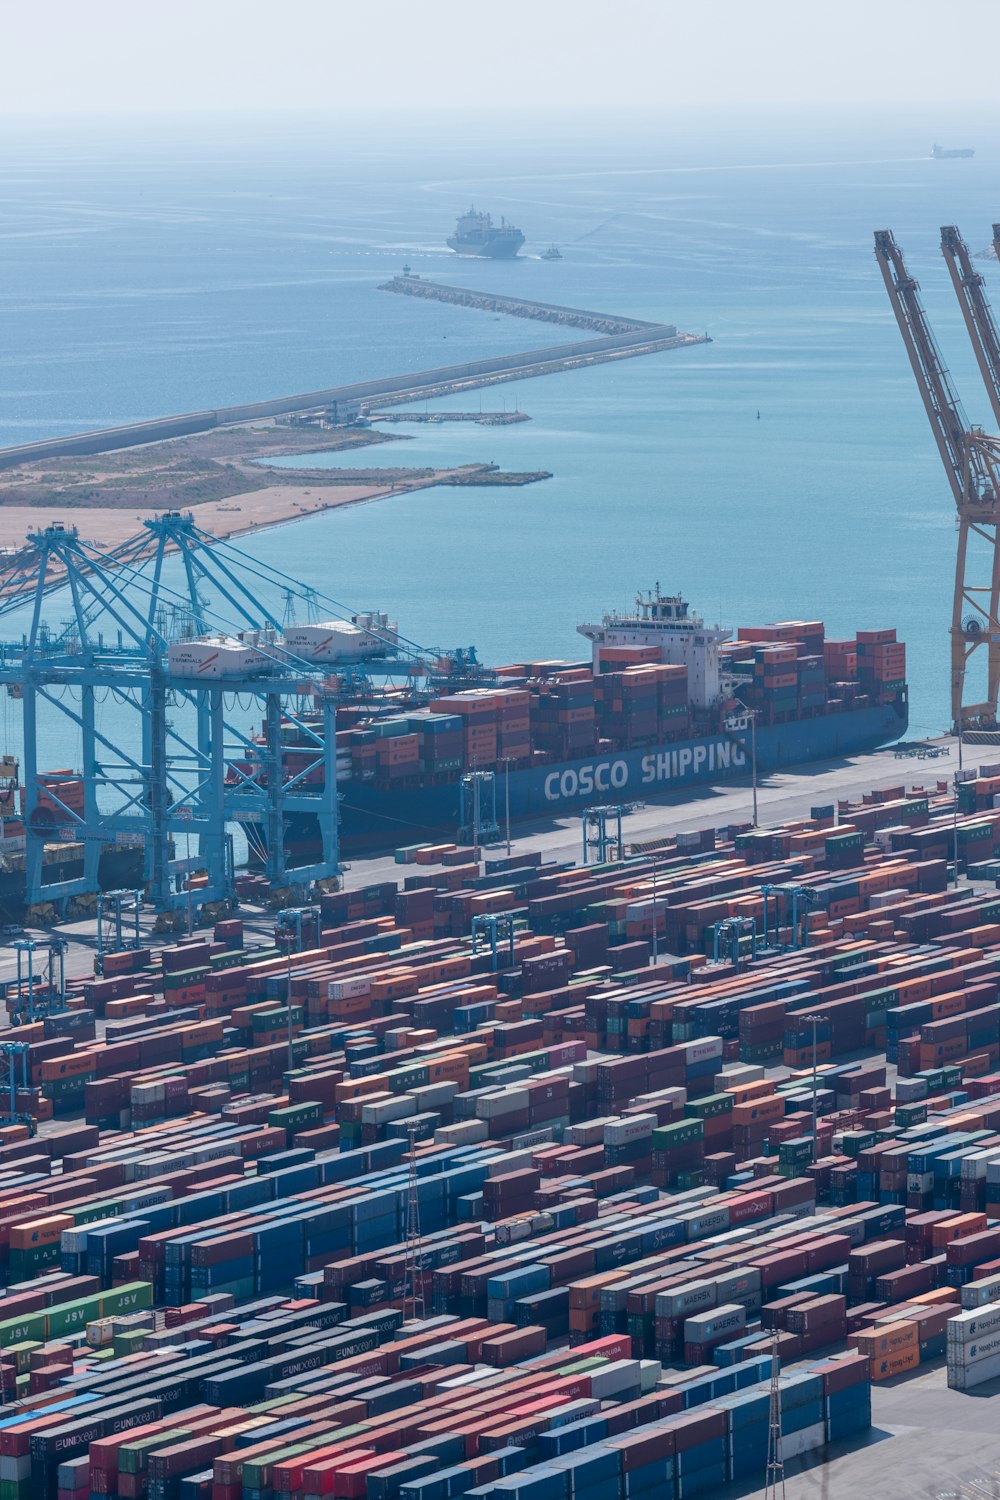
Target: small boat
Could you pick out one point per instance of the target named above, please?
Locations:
(552, 253)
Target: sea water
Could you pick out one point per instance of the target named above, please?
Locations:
(785, 470)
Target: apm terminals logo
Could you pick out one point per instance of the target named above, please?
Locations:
(683, 763)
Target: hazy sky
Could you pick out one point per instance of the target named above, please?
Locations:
(112, 55)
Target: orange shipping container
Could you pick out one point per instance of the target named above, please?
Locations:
(887, 1339)
(35, 1232)
(886, 1366)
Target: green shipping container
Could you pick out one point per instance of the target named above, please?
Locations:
(679, 1133)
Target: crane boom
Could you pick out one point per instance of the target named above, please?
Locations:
(979, 321)
(944, 410)
(972, 463)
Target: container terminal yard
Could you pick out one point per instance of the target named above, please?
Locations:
(646, 1147)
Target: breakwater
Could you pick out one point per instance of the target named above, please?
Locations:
(519, 307)
(351, 400)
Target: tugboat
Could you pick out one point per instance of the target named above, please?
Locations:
(476, 234)
(552, 253)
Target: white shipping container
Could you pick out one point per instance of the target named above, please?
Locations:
(702, 1050)
(509, 1161)
(100, 1332)
(967, 1327)
(806, 1440)
(615, 1379)
(974, 1165)
(675, 1097)
(462, 1133)
(704, 1327)
(737, 1075)
(910, 1090)
(349, 989)
(708, 1222)
(886, 898)
(433, 1095)
(693, 1297)
(965, 1377)
(976, 1350)
(495, 1106)
(590, 1132)
(396, 1108)
(979, 1293)
(738, 1284)
(631, 1128)
(638, 911)
(919, 1182)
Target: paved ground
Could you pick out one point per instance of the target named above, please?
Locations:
(780, 797)
(927, 1443)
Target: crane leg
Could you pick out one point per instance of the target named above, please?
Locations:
(994, 625)
(958, 651)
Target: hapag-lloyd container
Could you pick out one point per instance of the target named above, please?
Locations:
(967, 1377)
(971, 1353)
(974, 1325)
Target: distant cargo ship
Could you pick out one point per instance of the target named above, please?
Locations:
(664, 703)
(946, 153)
(476, 234)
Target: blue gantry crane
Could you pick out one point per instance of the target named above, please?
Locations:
(172, 629)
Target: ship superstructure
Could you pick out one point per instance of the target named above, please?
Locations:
(664, 621)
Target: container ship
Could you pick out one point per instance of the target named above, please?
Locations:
(950, 153)
(120, 865)
(664, 702)
(476, 234)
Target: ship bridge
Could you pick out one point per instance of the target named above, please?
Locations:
(682, 638)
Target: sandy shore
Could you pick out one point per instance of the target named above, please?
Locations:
(233, 516)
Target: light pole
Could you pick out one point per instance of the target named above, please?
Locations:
(656, 919)
(815, 1022)
(751, 714)
(506, 799)
(960, 726)
(184, 813)
(288, 1009)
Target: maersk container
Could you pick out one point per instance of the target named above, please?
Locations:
(704, 1328)
(685, 1301)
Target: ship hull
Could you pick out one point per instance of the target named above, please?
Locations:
(497, 250)
(375, 818)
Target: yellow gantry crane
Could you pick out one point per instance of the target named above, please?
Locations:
(971, 460)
